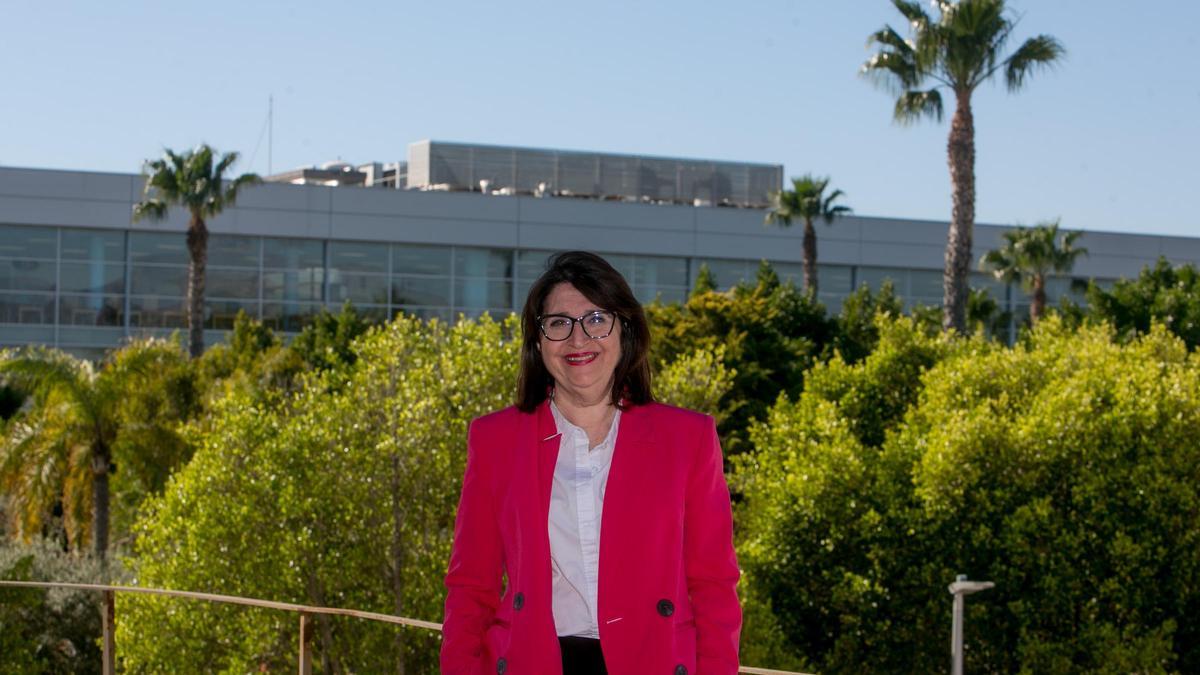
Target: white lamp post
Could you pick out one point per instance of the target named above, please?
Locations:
(961, 587)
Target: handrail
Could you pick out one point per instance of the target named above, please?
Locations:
(304, 610)
(234, 600)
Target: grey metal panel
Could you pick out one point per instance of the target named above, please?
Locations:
(463, 166)
(68, 212)
(1180, 248)
(921, 256)
(273, 222)
(1108, 267)
(987, 238)
(835, 252)
(424, 231)
(902, 231)
(748, 248)
(1123, 245)
(609, 239)
(606, 214)
(431, 204)
(286, 197)
(65, 184)
(730, 220)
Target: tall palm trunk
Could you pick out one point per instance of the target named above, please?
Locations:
(197, 243)
(810, 258)
(100, 461)
(961, 157)
(1038, 307)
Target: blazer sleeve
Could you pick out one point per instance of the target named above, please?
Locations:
(710, 563)
(474, 576)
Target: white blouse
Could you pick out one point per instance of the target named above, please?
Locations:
(576, 504)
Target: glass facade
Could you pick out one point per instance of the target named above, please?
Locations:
(84, 290)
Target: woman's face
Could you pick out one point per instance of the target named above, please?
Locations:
(580, 365)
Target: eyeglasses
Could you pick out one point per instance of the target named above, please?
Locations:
(596, 325)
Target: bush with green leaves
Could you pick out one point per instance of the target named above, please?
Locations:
(770, 333)
(341, 494)
(49, 630)
(1164, 293)
(1065, 469)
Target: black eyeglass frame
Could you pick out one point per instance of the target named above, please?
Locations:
(577, 320)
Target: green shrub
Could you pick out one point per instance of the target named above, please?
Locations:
(1065, 469)
(49, 630)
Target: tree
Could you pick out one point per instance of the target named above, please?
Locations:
(192, 181)
(62, 449)
(1029, 255)
(1058, 468)
(807, 201)
(960, 50)
(1163, 294)
(770, 332)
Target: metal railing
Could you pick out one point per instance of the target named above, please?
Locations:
(306, 612)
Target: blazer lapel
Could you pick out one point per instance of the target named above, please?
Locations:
(633, 443)
(547, 443)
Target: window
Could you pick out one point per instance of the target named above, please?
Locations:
(91, 310)
(28, 242)
(81, 277)
(97, 246)
(226, 250)
(27, 275)
(168, 248)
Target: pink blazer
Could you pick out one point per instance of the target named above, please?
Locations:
(667, 598)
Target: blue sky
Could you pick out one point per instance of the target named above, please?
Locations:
(1110, 140)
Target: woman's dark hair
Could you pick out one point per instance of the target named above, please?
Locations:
(592, 276)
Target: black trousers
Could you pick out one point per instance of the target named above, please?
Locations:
(581, 656)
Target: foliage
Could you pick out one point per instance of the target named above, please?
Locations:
(342, 495)
(10, 401)
(807, 202)
(85, 424)
(696, 381)
(959, 49)
(1161, 294)
(44, 630)
(770, 334)
(1064, 469)
(194, 180)
(1029, 255)
(327, 341)
(857, 331)
(985, 316)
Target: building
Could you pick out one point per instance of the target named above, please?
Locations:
(77, 274)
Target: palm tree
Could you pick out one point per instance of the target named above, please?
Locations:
(806, 201)
(192, 180)
(959, 51)
(1030, 254)
(60, 448)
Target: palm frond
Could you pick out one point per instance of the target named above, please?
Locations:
(893, 70)
(806, 200)
(1042, 51)
(913, 105)
(911, 9)
(154, 209)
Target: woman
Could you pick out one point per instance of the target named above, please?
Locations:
(594, 532)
